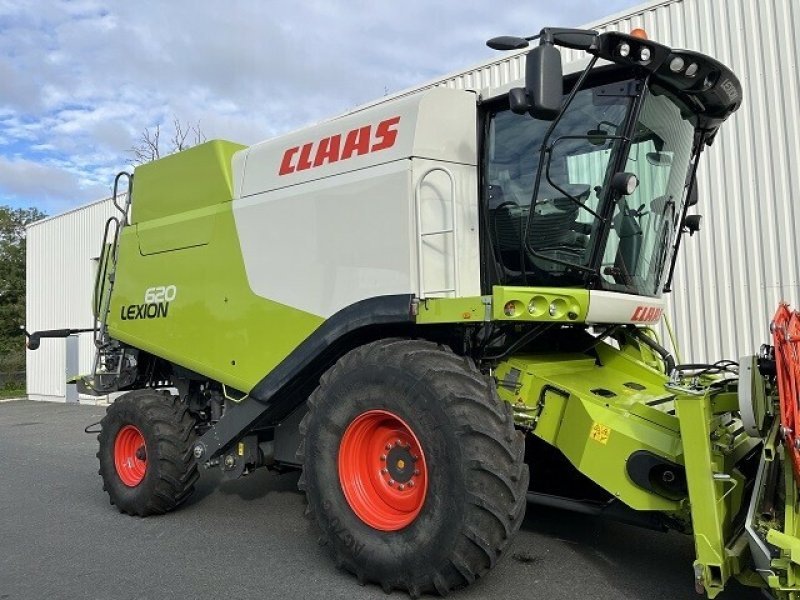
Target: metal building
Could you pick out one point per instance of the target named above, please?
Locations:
(61, 265)
(730, 277)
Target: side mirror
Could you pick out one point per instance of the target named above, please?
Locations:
(692, 223)
(33, 342)
(544, 82)
(597, 137)
(518, 101)
(659, 159)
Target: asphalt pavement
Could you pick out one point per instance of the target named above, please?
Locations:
(60, 538)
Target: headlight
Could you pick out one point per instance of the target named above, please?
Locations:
(676, 64)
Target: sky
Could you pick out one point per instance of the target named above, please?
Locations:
(80, 80)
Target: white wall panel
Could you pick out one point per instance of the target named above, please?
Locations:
(59, 286)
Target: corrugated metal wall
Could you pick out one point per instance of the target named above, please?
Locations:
(59, 283)
(732, 275)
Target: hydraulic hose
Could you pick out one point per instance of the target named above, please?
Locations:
(669, 361)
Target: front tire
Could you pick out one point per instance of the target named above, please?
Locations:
(412, 467)
(145, 453)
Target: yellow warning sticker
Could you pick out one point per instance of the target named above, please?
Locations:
(600, 433)
(241, 448)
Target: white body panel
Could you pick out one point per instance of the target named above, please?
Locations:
(613, 307)
(323, 237)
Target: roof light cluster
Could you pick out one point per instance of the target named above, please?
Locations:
(679, 65)
(633, 52)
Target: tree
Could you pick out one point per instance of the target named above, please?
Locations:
(12, 284)
(149, 147)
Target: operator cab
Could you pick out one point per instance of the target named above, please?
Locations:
(594, 195)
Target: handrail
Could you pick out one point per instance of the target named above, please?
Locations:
(123, 210)
(421, 234)
(102, 269)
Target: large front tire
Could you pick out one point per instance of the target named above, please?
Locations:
(412, 467)
(145, 452)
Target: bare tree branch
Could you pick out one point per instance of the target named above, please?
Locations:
(148, 145)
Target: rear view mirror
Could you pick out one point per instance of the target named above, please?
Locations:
(659, 159)
(544, 81)
(597, 137)
(692, 224)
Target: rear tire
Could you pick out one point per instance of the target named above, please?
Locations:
(145, 453)
(471, 456)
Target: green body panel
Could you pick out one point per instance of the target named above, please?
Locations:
(454, 310)
(553, 396)
(177, 196)
(715, 486)
(212, 301)
(529, 304)
(194, 178)
(599, 410)
(540, 304)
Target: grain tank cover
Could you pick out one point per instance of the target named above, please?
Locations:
(192, 179)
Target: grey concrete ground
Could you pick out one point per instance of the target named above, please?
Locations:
(59, 537)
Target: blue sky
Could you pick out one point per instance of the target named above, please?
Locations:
(81, 79)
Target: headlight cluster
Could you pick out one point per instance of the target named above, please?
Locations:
(637, 53)
(679, 65)
(541, 307)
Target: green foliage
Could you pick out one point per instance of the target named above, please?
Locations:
(12, 284)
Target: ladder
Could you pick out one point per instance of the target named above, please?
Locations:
(108, 359)
(422, 235)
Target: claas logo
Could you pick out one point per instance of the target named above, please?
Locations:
(646, 314)
(356, 142)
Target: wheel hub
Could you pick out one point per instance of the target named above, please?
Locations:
(130, 455)
(382, 470)
(400, 463)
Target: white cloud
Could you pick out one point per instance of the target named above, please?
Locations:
(53, 186)
(80, 79)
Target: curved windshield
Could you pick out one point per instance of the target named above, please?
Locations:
(569, 235)
(644, 223)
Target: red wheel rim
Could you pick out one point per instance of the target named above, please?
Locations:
(382, 470)
(130, 457)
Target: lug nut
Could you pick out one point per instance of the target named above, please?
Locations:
(383, 457)
(384, 471)
(416, 471)
(401, 487)
(391, 482)
(411, 483)
(230, 461)
(198, 451)
(388, 446)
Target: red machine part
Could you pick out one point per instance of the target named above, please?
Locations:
(786, 339)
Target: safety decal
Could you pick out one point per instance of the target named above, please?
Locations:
(600, 433)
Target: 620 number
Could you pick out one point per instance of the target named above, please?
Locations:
(160, 293)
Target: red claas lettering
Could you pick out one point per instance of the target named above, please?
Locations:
(356, 142)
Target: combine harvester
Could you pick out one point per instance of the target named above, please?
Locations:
(439, 308)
